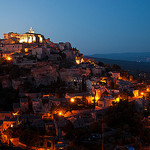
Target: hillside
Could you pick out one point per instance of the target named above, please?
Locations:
(131, 66)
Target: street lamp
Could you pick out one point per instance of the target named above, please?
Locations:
(9, 58)
(60, 113)
(142, 93)
(72, 100)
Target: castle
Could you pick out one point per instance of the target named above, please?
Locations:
(28, 37)
(15, 42)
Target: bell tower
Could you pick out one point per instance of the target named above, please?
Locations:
(31, 30)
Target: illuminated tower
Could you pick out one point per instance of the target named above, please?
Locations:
(31, 30)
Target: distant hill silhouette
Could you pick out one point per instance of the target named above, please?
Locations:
(131, 66)
(138, 57)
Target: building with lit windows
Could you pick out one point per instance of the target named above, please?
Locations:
(15, 42)
(28, 37)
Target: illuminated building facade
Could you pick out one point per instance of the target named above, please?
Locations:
(29, 37)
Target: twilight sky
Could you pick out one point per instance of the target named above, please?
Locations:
(93, 26)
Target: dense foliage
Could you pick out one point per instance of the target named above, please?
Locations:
(124, 116)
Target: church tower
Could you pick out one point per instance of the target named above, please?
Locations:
(31, 30)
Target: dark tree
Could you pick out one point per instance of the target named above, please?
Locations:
(100, 63)
(116, 67)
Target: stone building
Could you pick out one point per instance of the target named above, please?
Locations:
(28, 37)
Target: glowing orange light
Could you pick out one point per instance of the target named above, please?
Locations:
(46, 95)
(92, 100)
(147, 89)
(78, 62)
(142, 93)
(26, 50)
(16, 113)
(72, 100)
(136, 93)
(60, 113)
(117, 99)
(103, 81)
(96, 98)
(9, 58)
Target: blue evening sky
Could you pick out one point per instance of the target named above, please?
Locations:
(92, 26)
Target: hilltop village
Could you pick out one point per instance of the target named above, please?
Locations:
(52, 97)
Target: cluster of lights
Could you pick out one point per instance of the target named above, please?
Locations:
(72, 100)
